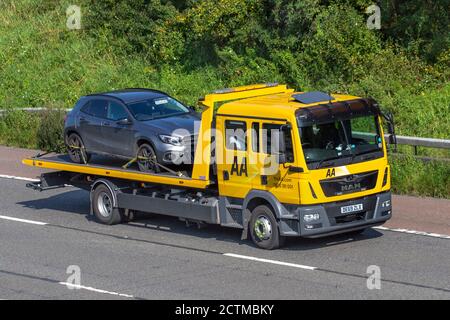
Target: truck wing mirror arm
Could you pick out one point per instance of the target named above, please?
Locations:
(389, 117)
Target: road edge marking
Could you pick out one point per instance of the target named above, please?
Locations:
(282, 263)
(23, 220)
(72, 286)
(419, 233)
(5, 176)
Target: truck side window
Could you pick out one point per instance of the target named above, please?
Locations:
(235, 135)
(268, 133)
(255, 137)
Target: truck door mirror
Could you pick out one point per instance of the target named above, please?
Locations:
(392, 139)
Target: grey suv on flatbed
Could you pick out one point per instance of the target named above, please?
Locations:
(145, 124)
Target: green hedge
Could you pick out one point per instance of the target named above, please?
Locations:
(189, 48)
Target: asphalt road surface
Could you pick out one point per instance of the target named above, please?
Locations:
(46, 238)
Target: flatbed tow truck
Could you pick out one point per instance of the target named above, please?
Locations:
(266, 161)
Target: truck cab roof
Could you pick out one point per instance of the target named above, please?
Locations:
(282, 105)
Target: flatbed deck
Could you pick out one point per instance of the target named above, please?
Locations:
(111, 168)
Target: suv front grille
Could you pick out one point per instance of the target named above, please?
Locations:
(349, 184)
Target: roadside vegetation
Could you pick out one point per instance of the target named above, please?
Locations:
(189, 48)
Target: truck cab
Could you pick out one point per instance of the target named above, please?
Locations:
(318, 161)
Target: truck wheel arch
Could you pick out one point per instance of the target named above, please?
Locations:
(258, 197)
(111, 186)
(253, 199)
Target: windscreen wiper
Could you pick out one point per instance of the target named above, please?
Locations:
(367, 152)
(321, 162)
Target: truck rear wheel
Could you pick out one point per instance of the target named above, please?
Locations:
(103, 206)
(264, 228)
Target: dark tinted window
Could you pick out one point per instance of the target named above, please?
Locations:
(269, 139)
(98, 108)
(116, 111)
(255, 136)
(86, 108)
(235, 135)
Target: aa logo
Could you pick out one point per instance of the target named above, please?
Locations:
(331, 173)
(241, 169)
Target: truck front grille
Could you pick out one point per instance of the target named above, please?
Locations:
(350, 218)
(349, 184)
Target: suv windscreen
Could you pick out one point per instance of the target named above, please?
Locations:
(341, 139)
(157, 108)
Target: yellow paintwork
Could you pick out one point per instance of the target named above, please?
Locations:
(250, 104)
(208, 103)
(287, 187)
(116, 173)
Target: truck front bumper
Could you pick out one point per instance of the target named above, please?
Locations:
(328, 219)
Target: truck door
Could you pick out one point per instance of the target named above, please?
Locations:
(271, 176)
(232, 141)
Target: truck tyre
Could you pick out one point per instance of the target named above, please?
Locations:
(146, 151)
(77, 151)
(103, 206)
(264, 228)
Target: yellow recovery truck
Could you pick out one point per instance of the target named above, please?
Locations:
(270, 161)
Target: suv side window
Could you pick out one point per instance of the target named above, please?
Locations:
(98, 108)
(86, 108)
(116, 112)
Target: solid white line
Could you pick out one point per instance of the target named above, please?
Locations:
(281, 263)
(419, 233)
(5, 176)
(23, 220)
(76, 286)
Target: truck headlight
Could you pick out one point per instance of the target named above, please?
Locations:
(311, 217)
(176, 141)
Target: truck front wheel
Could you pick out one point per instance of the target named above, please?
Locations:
(103, 206)
(264, 228)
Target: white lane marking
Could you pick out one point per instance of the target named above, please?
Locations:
(5, 176)
(287, 264)
(76, 286)
(23, 220)
(419, 233)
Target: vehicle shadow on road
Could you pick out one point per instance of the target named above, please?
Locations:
(230, 235)
(73, 201)
(77, 201)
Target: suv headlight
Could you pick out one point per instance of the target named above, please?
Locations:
(176, 141)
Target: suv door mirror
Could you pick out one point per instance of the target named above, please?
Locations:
(124, 122)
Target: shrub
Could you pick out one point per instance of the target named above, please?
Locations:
(50, 132)
(19, 128)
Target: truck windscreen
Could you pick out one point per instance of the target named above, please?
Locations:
(340, 133)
